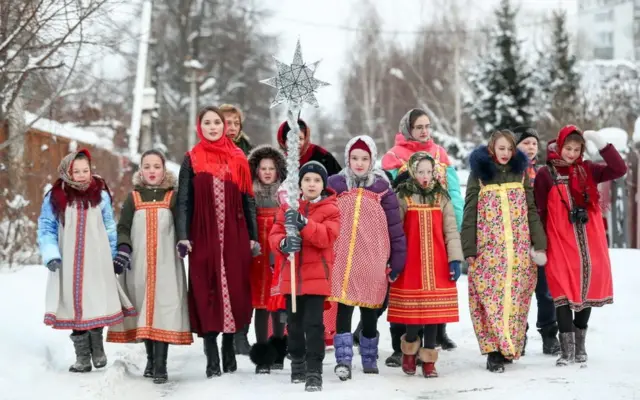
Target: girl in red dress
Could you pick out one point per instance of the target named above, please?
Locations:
(268, 168)
(425, 294)
(578, 269)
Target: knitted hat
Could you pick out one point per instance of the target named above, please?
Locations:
(523, 132)
(315, 167)
(360, 145)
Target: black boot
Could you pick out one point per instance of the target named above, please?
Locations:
(262, 355)
(160, 350)
(443, 340)
(526, 340)
(241, 342)
(550, 343)
(495, 362)
(280, 346)
(148, 369)
(298, 370)
(313, 382)
(82, 345)
(395, 359)
(213, 357)
(228, 354)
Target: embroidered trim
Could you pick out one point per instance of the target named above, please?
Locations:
(161, 335)
(564, 301)
(50, 319)
(78, 262)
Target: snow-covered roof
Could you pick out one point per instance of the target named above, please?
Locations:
(98, 137)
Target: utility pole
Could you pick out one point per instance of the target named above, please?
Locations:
(193, 67)
(457, 79)
(141, 69)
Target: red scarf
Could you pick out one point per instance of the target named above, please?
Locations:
(580, 178)
(222, 159)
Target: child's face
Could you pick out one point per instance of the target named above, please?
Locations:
(81, 171)
(311, 185)
(267, 171)
(152, 170)
(529, 146)
(424, 173)
(359, 162)
(233, 124)
(503, 150)
(212, 126)
(571, 151)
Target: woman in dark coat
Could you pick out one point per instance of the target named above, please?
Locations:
(216, 225)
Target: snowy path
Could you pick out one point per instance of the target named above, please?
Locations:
(34, 360)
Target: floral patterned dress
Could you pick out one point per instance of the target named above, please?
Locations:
(501, 279)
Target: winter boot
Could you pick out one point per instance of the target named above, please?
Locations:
(280, 346)
(409, 355)
(343, 343)
(228, 354)
(443, 340)
(263, 355)
(550, 343)
(526, 340)
(160, 350)
(369, 354)
(148, 369)
(356, 335)
(313, 381)
(298, 370)
(429, 358)
(97, 348)
(495, 362)
(241, 342)
(82, 345)
(581, 350)
(395, 359)
(213, 357)
(567, 349)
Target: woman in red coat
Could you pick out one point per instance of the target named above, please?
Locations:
(317, 225)
(216, 225)
(578, 269)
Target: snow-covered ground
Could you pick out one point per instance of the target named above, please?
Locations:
(34, 360)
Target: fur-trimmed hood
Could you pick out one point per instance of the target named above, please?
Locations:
(265, 151)
(485, 167)
(170, 181)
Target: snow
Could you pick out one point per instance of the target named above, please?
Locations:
(193, 64)
(70, 131)
(18, 202)
(33, 352)
(616, 136)
(636, 131)
(44, 147)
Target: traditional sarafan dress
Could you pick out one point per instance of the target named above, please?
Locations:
(371, 238)
(499, 227)
(76, 226)
(156, 282)
(216, 212)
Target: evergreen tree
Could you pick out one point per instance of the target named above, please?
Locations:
(500, 82)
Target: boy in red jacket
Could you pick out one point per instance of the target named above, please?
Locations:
(316, 224)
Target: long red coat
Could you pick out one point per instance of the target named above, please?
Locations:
(578, 270)
(315, 261)
(260, 268)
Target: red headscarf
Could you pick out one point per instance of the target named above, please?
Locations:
(580, 179)
(222, 159)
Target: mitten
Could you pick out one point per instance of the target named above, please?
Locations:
(291, 244)
(454, 270)
(595, 138)
(538, 257)
(294, 218)
(54, 264)
(183, 247)
(256, 249)
(122, 259)
(392, 275)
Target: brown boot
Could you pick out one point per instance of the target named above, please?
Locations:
(581, 350)
(429, 358)
(409, 355)
(567, 349)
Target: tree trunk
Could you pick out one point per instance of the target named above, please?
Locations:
(16, 130)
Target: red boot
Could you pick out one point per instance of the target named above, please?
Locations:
(429, 358)
(409, 355)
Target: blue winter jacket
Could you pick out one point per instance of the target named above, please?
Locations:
(49, 228)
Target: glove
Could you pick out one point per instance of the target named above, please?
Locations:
(54, 264)
(291, 244)
(183, 247)
(256, 249)
(122, 260)
(595, 138)
(538, 257)
(294, 218)
(392, 275)
(454, 270)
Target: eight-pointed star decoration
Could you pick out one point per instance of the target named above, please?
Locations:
(295, 83)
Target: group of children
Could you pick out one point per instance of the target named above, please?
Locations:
(361, 237)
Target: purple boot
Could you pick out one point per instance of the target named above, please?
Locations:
(343, 343)
(369, 354)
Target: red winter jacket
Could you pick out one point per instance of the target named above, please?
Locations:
(315, 261)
